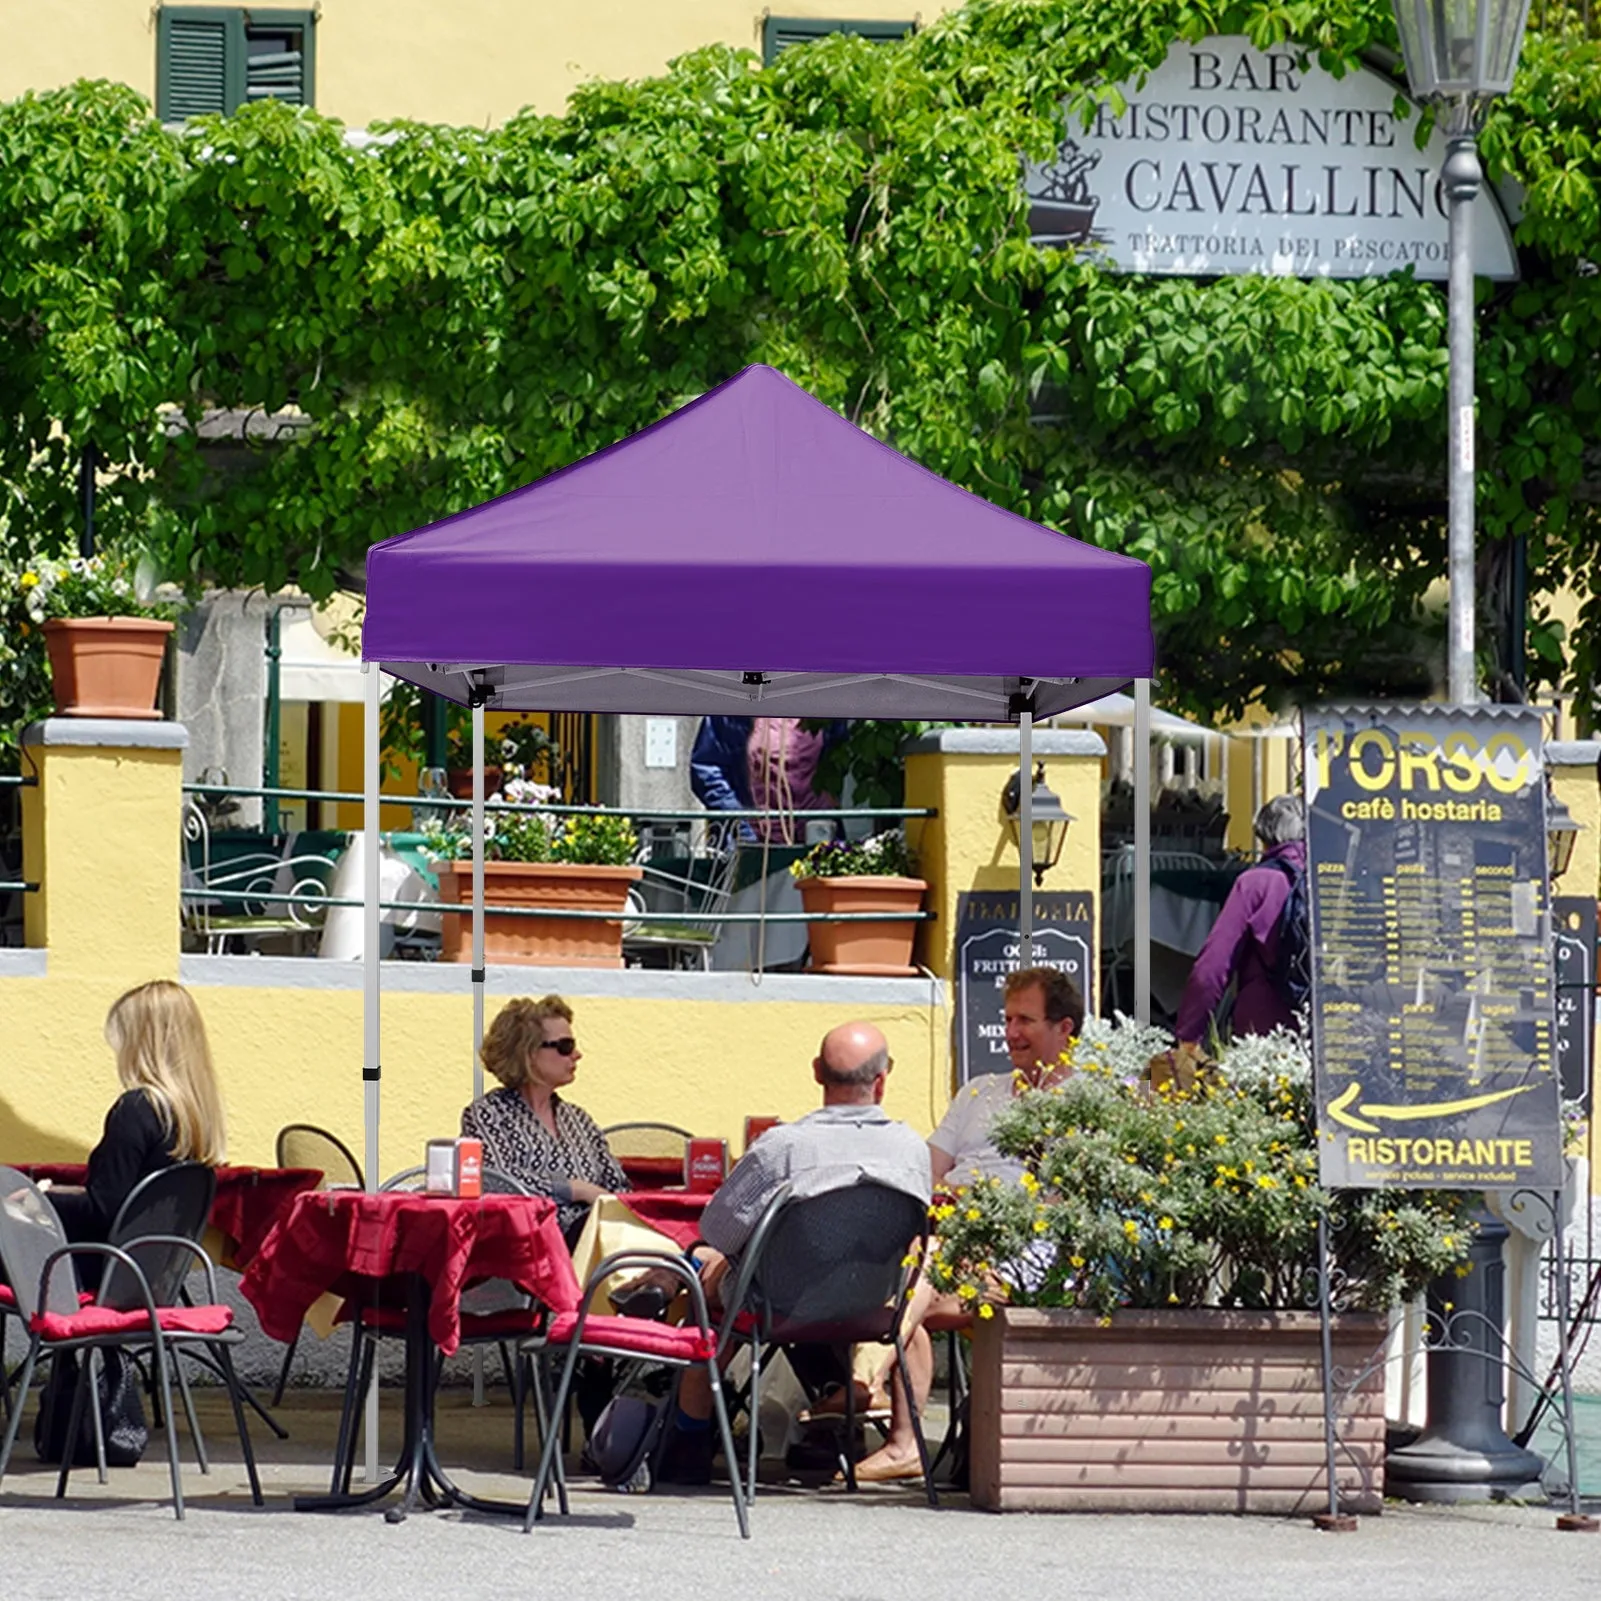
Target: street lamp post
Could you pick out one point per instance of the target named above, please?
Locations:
(1461, 54)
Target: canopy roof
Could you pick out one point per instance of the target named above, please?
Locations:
(756, 552)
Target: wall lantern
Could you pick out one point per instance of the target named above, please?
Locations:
(1561, 835)
(1050, 821)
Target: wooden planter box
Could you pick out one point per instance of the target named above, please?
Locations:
(1182, 1411)
(538, 941)
(881, 949)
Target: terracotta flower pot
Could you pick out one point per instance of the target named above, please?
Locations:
(538, 941)
(1172, 1411)
(106, 666)
(884, 949)
(459, 781)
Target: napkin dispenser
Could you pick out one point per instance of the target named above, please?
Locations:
(455, 1167)
(705, 1163)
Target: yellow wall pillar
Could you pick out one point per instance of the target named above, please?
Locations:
(101, 837)
(1572, 764)
(961, 772)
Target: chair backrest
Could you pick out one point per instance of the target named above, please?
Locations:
(647, 1139)
(835, 1267)
(176, 1201)
(29, 1232)
(305, 1145)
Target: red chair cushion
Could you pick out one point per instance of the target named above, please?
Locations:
(96, 1321)
(637, 1336)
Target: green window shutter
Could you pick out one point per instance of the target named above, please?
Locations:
(214, 58)
(197, 61)
(779, 33)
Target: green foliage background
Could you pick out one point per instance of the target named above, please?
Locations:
(457, 312)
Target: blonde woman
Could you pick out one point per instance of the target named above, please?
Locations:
(528, 1130)
(170, 1109)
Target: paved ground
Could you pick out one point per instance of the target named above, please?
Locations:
(683, 1546)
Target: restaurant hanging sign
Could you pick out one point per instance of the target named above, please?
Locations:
(1432, 1013)
(1229, 159)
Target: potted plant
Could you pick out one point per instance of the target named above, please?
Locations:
(572, 862)
(105, 642)
(866, 875)
(1146, 1335)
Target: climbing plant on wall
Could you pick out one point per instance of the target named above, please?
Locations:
(406, 323)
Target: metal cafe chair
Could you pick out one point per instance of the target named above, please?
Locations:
(306, 1145)
(651, 1154)
(830, 1269)
(136, 1307)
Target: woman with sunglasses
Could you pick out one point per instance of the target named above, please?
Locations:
(529, 1131)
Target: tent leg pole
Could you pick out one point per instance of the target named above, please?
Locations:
(478, 958)
(1025, 839)
(1142, 850)
(371, 934)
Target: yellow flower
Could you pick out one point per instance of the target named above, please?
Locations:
(1075, 1261)
(1131, 1228)
(1267, 1183)
(967, 1293)
(1040, 1226)
(986, 1311)
(1172, 1300)
(973, 1214)
(29, 580)
(1164, 1222)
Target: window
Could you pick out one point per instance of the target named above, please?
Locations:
(216, 58)
(779, 33)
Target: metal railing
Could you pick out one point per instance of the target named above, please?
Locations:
(633, 917)
(13, 784)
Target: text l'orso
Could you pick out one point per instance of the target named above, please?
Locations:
(1396, 767)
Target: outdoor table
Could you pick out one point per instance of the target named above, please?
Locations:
(249, 1200)
(423, 1251)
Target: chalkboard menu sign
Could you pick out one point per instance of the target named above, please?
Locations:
(1573, 936)
(1433, 1016)
(989, 948)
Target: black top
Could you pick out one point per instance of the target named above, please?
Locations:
(134, 1144)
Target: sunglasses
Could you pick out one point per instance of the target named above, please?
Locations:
(562, 1047)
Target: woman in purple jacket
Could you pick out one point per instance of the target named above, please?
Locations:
(1244, 942)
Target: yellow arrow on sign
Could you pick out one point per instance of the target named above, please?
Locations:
(1339, 1110)
(1340, 1107)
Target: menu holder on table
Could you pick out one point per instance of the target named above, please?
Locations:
(705, 1164)
(755, 1127)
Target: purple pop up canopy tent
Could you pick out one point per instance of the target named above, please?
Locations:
(756, 551)
(751, 552)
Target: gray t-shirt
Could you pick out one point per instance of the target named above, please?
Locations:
(828, 1149)
(964, 1132)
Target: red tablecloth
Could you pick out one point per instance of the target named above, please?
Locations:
(250, 1200)
(675, 1213)
(650, 1171)
(342, 1240)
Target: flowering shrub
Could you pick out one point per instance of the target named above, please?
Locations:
(1206, 1197)
(588, 838)
(883, 855)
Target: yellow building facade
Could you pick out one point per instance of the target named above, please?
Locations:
(700, 1050)
(470, 63)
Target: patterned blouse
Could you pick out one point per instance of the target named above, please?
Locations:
(518, 1144)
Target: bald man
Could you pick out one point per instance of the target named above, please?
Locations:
(848, 1139)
